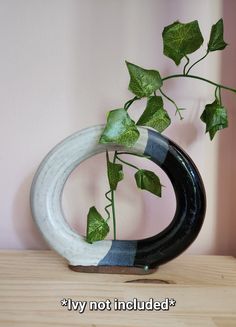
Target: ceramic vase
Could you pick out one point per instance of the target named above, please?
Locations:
(118, 256)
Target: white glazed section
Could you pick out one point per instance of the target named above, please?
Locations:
(47, 188)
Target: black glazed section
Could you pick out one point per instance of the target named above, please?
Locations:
(190, 204)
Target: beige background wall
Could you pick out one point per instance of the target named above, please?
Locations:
(62, 68)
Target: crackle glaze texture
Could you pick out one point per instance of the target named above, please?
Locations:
(49, 181)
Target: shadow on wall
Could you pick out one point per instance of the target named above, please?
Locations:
(226, 222)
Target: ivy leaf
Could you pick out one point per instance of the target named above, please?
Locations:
(181, 39)
(155, 115)
(215, 118)
(97, 227)
(120, 129)
(149, 181)
(217, 37)
(143, 82)
(115, 174)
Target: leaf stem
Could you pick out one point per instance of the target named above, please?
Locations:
(197, 62)
(112, 200)
(134, 154)
(113, 204)
(126, 163)
(185, 67)
(172, 101)
(220, 96)
(113, 213)
(115, 156)
(216, 97)
(128, 103)
(199, 78)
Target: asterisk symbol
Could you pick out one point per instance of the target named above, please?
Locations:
(172, 302)
(64, 302)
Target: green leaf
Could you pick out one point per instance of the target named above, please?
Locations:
(155, 115)
(217, 37)
(115, 174)
(215, 118)
(97, 227)
(143, 82)
(181, 39)
(120, 129)
(149, 181)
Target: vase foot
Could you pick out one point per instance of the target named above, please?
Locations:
(124, 270)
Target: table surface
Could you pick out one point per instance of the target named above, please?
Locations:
(33, 283)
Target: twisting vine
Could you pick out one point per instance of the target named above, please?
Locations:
(179, 41)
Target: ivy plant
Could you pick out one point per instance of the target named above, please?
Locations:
(179, 41)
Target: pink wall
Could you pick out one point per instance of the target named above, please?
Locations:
(62, 68)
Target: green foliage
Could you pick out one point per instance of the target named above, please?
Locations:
(217, 37)
(215, 118)
(149, 181)
(97, 227)
(115, 174)
(155, 115)
(143, 82)
(120, 129)
(181, 39)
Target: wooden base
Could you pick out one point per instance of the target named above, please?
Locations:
(124, 270)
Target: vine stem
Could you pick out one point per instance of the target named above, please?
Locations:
(172, 101)
(201, 79)
(113, 213)
(220, 96)
(128, 103)
(125, 162)
(196, 62)
(112, 200)
(185, 67)
(106, 195)
(113, 204)
(108, 206)
(216, 92)
(107, 211)
(134, 154)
